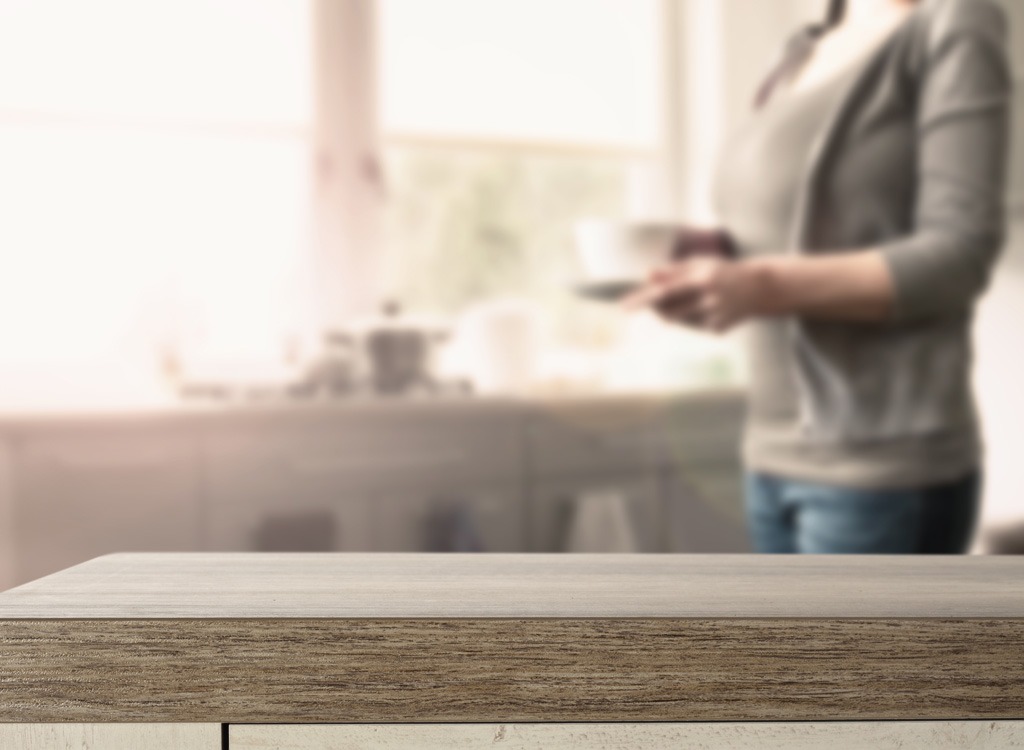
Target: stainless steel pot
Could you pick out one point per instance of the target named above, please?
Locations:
(400, 353)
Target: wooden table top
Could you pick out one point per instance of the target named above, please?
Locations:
(382, 638)
(369, 585)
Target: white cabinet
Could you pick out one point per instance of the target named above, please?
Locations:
(704, 509)
(378, 450)
(864, 735)
(671, 474)
(593, 438)
(306, 519)
(616, 474)
(352, 481)
(8, 558)
(85, 494)
(593, 478)
(611, 513)
(111, 736)
(464, 519)
(703, 476)
(283, 490)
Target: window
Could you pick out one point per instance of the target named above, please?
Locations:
(196, 178)
(575, 72)
(507, 121)
(155, 189)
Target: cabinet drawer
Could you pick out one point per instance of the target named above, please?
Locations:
(102, 461)
(932, 735)
(704, 430)
(110, 736)
(84, 496)
(616, 513)
(472, 519)
(298, 522)
(239, 463)
(563, 448)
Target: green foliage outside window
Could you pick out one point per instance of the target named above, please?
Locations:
(466, 226)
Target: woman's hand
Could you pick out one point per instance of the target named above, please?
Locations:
(715, 294)
(710, 293)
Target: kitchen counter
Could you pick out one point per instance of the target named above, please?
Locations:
(213, 413)
(369, 476)
(397, 638)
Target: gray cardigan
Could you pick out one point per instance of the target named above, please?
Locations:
(929, 115)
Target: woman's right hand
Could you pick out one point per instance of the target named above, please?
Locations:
(709, 293)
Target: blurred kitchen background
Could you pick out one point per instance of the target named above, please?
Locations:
(294, 275)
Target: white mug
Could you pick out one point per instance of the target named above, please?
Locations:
(623, 251)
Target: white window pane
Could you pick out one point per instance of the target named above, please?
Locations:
(187, 59)
(112, 239)
(499, 223)
(580, 71)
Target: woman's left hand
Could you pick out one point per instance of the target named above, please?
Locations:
(713, 294)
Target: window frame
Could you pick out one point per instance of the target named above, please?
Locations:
(74, 120)
(350, 136)
(346, 141)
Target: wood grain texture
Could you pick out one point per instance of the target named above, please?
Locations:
(110, 736)
(369, 585)
(720, 736)
(517, 638)
(509, 670)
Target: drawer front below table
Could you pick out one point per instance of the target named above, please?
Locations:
(869, 735)
(110, 736)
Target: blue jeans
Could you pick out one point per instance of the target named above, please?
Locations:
(787, 515)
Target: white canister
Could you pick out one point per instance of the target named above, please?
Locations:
(499, 345)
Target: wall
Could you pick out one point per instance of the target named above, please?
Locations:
(1000, 362)
(999, 379)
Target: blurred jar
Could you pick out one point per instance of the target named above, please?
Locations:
(499, 344)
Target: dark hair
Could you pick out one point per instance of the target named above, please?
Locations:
(799, 48)
(836, 11)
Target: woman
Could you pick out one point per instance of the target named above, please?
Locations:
(865, 198)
